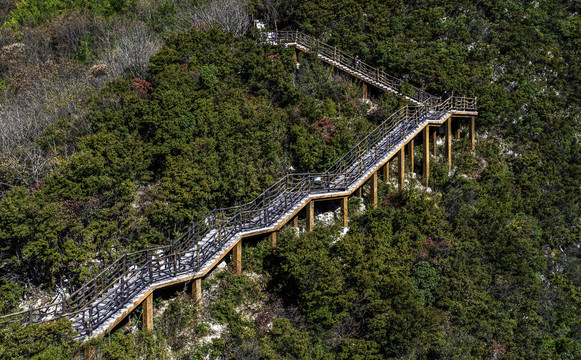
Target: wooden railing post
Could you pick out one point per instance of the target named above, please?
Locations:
(150, 266)
(175, 264)
(122, 287)
(90, 320)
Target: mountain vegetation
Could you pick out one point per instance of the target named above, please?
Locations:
(125, 120)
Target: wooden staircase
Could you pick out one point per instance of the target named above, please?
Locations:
(101, 303)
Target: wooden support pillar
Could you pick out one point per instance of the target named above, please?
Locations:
(401, 164)
(295, 221)
(426, 155)
(458, 133)
(345, 209)
(197, 290)
(295, 55)
(237, 258)
(364, 90)
(147, 313)
(449, 143)
(386, 172)
(473, 132)
(373, 190)
(272, 238)
(90, 353)
(411, 155)
(359, 192)
(310, 215)
(435, 140)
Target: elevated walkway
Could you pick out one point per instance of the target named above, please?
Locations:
(103, 302)
(349, 64)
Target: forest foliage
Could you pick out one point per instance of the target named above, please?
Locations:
(164, 150)
(486, 266)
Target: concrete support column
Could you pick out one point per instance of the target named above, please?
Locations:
(426, 155)
(386, 171)
(449, 143)
(411, 155)
(147, 313)
(345, 209)
(373, 190)
(310, 215)
(473, 132)
(401, 165)
(364, 90)
(197, 290)
(435, 140)
(237, 258)
(359, 192)
(272, 238)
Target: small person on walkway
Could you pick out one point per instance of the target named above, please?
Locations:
(356, 62)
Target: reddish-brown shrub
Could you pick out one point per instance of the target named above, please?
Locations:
(143, 88)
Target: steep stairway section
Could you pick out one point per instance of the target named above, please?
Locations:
(350, 65)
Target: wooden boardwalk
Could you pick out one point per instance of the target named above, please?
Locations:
(103, 302)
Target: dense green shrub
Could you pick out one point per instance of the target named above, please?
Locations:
(34, 12)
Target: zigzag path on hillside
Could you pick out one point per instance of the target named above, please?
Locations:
(101, 303)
